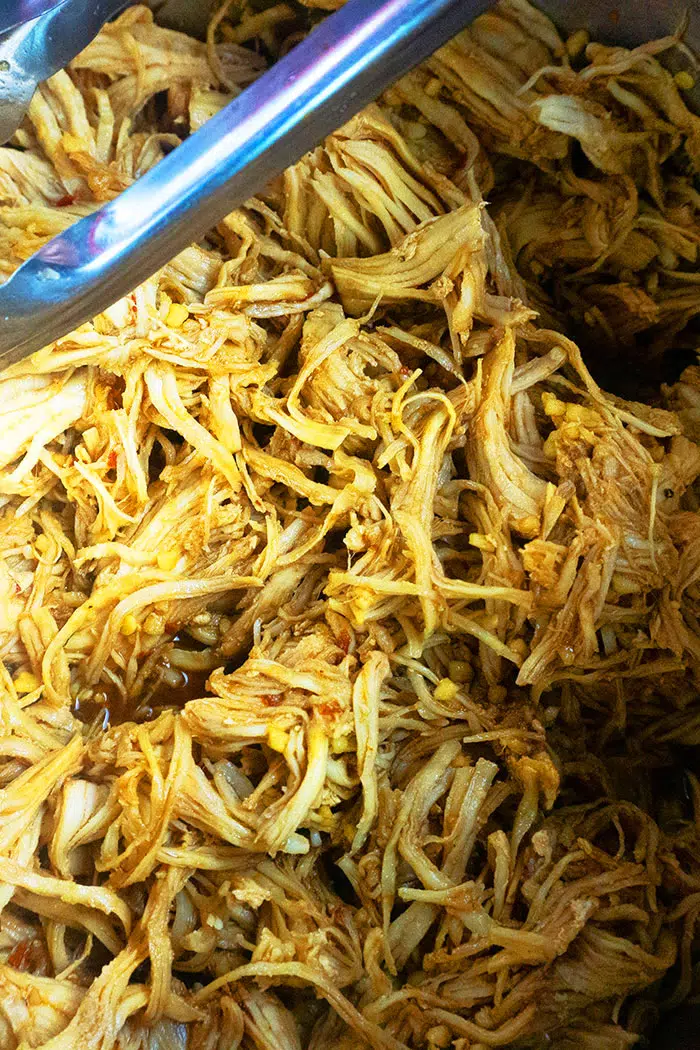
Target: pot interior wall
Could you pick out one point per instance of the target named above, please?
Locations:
(626, 23)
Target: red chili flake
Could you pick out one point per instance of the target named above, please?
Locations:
(344, 641)
(405, 371)
(63, 202)
(272, 699)
(329, 709)
(16, 588)
(112, 459)
(20, 956)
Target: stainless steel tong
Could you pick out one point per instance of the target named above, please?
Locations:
(346, 62)
(37, 38)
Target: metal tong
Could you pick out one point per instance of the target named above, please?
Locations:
(343, 64)
(37, 38)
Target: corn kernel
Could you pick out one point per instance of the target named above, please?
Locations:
(26, 682)
(572, 431)
(42, 543)
(446, 689)
(577, 42)
(684, 80)
(519, 646)
(177, 315)
(582, 414)
(552, 405)
(277, 739)
(129, 625)
(167, 560)
(551, 445)
(527, 526)
(416, 132)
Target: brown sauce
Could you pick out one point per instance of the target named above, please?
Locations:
(108, 707)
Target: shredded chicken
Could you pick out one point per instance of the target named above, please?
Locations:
(349, 628)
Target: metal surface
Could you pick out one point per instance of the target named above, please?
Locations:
(623, 22)
(343, 64)
(629, 23)
(610, 21)
(39, 38)
(15, 12)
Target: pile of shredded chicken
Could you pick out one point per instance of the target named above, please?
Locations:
(350, 632)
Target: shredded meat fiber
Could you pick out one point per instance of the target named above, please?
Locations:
(349, 630)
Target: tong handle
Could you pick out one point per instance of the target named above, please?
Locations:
(346, 62)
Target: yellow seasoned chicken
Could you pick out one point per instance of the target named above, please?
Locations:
(349, 627)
